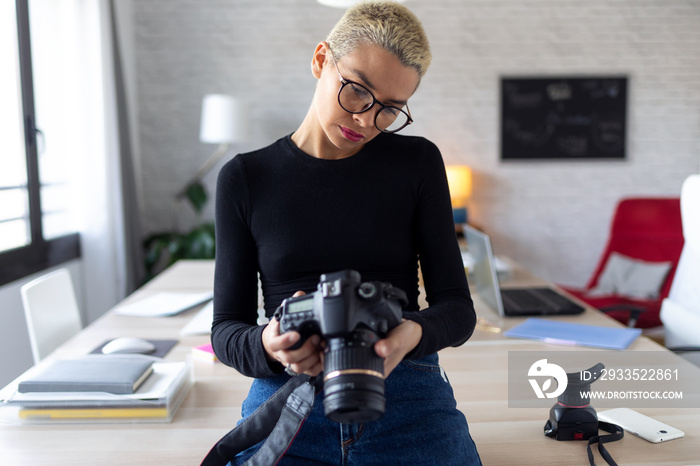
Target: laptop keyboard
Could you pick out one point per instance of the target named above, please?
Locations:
(537, 301)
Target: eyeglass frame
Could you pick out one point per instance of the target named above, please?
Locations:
(345, 82)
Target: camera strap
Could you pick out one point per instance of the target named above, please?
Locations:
(278, 420)
(616, 433)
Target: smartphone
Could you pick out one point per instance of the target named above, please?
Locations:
(640, 425)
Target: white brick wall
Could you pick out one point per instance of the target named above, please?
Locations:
(551, 216)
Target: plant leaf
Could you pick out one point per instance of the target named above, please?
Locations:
(197, 196)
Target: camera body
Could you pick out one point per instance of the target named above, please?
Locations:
(350, 315)
(573, 417)
(567, 423)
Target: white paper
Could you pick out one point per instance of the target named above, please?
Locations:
(200, 324)
(163, 304)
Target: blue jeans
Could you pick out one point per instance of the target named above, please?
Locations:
(421, 425)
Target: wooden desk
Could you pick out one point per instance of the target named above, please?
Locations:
(477, 370)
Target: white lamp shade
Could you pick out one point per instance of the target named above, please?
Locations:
(224, 120)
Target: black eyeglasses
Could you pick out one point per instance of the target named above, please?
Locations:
(356, 98)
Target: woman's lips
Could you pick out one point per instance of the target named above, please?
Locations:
(351, 135)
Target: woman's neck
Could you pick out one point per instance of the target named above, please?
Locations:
(311, 139)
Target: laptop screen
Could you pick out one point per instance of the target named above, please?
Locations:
(483, 276)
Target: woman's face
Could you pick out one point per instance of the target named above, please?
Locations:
(382, 73)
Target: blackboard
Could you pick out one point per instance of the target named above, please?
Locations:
(563, 117)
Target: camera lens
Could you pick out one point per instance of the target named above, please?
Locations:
(367, 290)
(354, 379)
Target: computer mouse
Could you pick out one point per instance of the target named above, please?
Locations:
(126, 345)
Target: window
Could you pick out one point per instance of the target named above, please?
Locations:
(37, 224)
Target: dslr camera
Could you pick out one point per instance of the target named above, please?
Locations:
(350, 315)
(573, 417)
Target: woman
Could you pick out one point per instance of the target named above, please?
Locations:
(345, 192)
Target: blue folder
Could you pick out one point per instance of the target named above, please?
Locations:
(552, 331)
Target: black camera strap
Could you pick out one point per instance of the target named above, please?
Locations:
(616, 433)
(278, 420)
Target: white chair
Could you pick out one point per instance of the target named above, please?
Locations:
(680, 311)
(51, 311)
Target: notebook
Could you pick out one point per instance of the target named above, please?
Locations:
(513, 302)
(564, 333)
(117, 374)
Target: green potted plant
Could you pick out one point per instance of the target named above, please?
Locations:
(163, 249)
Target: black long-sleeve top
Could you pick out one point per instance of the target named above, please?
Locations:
(291, 217)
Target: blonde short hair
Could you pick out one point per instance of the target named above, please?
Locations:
(387, 24)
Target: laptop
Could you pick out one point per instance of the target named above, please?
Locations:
(511, 302)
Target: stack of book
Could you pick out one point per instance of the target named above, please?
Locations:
(204, 353)
(103, 388)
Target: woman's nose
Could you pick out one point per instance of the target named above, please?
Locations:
(365, 119)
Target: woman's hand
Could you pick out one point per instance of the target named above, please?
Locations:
(398, 343)
(305, 360)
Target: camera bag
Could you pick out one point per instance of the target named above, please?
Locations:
(573, 417)
(277, 420)
(616, 433)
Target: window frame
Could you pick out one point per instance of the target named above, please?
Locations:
(39, 254)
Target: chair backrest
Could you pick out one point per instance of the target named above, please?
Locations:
(51, 311)
(684, 296)
(648, 229)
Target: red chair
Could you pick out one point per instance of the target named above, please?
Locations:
(643, 229)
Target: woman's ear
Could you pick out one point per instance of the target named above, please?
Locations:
(321, 54)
